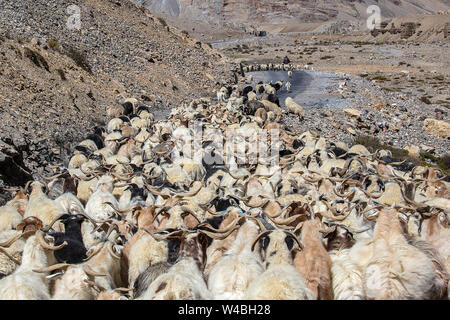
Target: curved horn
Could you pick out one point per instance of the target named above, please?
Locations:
(235, 222)
(261, 235)
(295, 238)
(54, 221)
(45, 245)
(111, 251)
(335, 217)
(192, 213)
(52, 268)
(9, 242)
(95, 252)
(220, 236)
(3, 250)
(54, 177)
(192, 193)
(328, 230)
(88, 270)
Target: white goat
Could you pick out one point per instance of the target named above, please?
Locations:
(280, 280)
(239, 266)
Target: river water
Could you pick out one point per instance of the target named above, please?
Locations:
(310, 89)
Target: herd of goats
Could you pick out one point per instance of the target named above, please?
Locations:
(135, 216)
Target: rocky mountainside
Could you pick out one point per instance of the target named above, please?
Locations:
(56, 83)
(277, 15)
(415, 27)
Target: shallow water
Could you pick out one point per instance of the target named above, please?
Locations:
(310, 89)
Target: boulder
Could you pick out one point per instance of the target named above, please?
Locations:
(437, 127)
(413, 150)
(353, 113)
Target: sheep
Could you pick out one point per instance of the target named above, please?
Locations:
(314, 262)
(280, 280)
(269, 89)
(222, 94)
(19, 202)
(272, 107)
(70, 203)
(397, 270)
(430, 231)
(86, 187)
(290, 74)
(9, 217)
(238, 267)
(100, 271)
(97, 207)
(74, 251)
(184, 280)
(349, 259)
(40, 206)
(294, 108)
(144, 252)
(24, 283)
(11, 247)
(288, 86)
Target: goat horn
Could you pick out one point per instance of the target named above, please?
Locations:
(54, 176)
(216, 236)
(90, 272)
(27, 184)
(94, 286)
(295, 238)
(335, 216)
(236, 221)
(192, 193)
(53, 268)
(96, 251)
(45, 245)
(359, 230)
(328, 230)
(9, 242)
(53, 222)
(192, 213)
(85, 178)
(111, 251)
(3, 250)
(121, 178)
(287, 221)
(123, 290)
(261, 235)
(259, 223)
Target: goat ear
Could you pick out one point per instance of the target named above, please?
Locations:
(289, 242)
(64, 217)
(117, 249)
(204, 240)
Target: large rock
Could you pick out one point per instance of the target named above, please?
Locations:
(413, 151)
(438, 127)
(12, 169)
(353, 113)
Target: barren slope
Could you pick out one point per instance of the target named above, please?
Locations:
(56, 83)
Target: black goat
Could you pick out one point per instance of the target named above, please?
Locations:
(97, 139)
(127, 108)
(74, 251)
(274, 99)
(247, 90)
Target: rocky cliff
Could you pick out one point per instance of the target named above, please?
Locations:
(284, 12)
(56, 83)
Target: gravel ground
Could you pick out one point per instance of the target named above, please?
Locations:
(396, 119)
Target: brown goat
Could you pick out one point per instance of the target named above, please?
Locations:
(314, 262)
